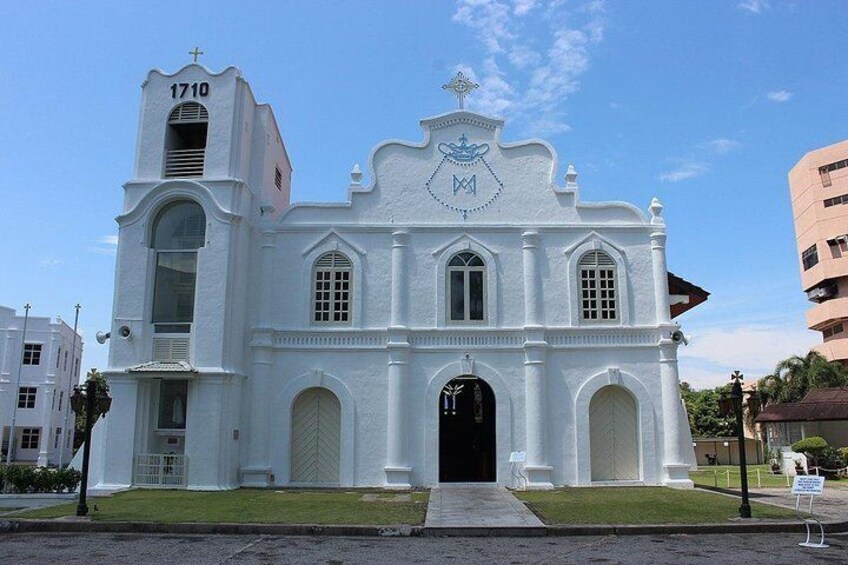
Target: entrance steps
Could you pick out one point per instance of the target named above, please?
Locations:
(477, 506)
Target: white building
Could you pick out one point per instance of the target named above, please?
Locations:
(48, 366)
(460, 306)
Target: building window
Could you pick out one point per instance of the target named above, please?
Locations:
(61, 397)
(825, 170)
(32, 354)
(178, 232)
(333, 279)
(810, 257)
(832, 331)
(466, 282)
(172, 405)
(57, 438)
(185, 141)
(29, 438)
(598, 301)
(836, 200)
(58, 357)
(278, 178)
(26, 396)
(65, 368)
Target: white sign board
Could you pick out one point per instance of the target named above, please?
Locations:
(518, 457)
(808, 485)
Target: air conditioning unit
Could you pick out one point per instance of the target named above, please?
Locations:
(821, 293)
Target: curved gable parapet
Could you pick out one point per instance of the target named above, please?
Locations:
(160, 72)
(611, 212)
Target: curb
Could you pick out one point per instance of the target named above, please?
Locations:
(27, 526)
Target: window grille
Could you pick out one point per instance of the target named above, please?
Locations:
(466, 282)
(597, 287)
(32, 354)
(332, 288)
(278, 178)
(26, 396)
(30, 437)
(189, 112)
(185, 146)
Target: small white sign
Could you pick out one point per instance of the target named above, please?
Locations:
(518, 457)
(808, 484)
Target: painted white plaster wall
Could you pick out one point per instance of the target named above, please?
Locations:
(255, 346)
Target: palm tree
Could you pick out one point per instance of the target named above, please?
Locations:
(794, 377)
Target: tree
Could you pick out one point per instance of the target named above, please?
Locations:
(79, 422)
(705, 419)
(794, 377)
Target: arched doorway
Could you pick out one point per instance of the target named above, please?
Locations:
(316, 437)
(467, 431)
(613, 435)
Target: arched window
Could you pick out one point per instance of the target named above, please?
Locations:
(597, 287)
(185, 141)
(466, 288)
(332, 289)
(179, 230)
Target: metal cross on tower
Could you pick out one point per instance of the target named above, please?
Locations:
(196, 53)
(460, 85)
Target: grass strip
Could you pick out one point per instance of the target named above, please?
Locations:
(247, 506)
(639, 505)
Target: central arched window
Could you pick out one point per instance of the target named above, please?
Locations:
(466, 288)
(597, 287)
(332, 289)
(179, 230)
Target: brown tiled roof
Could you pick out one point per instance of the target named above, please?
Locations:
(818, 405)
(677, 285)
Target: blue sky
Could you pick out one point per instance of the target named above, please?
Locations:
(706, 105)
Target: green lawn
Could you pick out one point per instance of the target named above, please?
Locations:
(251, 506)
(728, 476)
(639, 505)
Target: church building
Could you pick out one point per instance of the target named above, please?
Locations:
(464, 316)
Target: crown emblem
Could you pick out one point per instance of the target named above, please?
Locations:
(463, 152)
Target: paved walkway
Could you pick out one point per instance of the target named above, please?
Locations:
(477, 506)
(831, 505)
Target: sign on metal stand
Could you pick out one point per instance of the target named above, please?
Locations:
(812, 486)
(516, 460)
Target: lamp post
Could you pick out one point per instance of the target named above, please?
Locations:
(732, 405)
(87, 401)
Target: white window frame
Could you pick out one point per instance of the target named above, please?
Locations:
(30, 436)
(596, 242)
(335, 276)
(32, 354)
(600, 274)
(27, 395)
(466, 271)
(443, 255)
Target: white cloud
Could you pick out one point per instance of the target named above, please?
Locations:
(779, 96)
(106, 245)
(109, 240)
(50, 262)
(723, 145)
(686, 170)
(531, 65)
(753, 6)
(754, 350)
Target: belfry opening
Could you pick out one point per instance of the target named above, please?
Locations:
(467, 451)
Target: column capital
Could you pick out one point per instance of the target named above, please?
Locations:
(530, 239)
(400, 238)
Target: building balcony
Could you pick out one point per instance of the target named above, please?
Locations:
(824, 270)
(824, 314)
(834, 349)
(184, 163)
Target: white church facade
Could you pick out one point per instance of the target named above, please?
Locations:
(458, 307)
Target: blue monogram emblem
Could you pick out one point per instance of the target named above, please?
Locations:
(464, 180)
(469, 185)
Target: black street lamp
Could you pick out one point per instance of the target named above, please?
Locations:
(88, 401)
(732, 405)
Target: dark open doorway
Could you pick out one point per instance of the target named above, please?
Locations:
(467, 431)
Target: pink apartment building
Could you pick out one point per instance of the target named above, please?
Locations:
(819, 187)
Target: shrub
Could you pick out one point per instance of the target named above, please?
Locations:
(35, 480)
(811, 446)
(830, 460)
(844, 452)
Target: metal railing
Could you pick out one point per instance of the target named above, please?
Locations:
(166, 470)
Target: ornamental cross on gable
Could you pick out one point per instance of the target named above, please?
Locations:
(460, 85)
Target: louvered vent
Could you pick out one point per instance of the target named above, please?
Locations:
(597, 259)
(170, 348)
(189, 112)
(333, 261)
